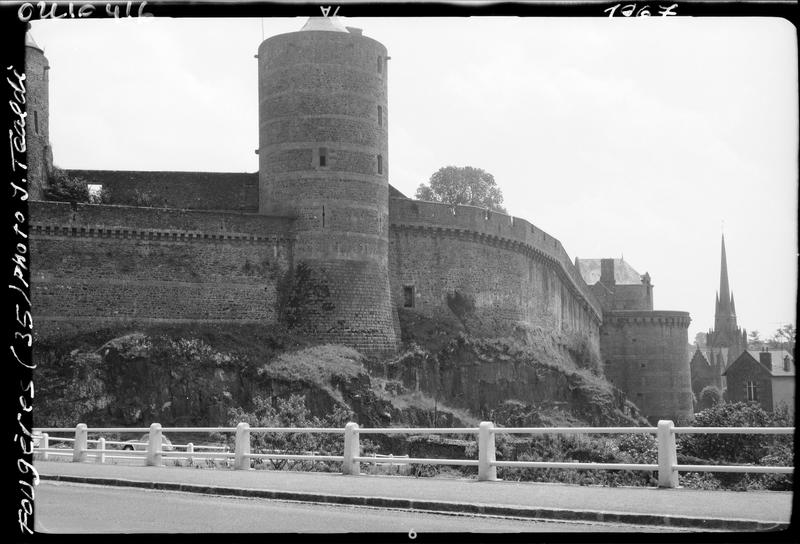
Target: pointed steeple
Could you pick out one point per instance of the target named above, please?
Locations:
(724, 288)
(726, 333)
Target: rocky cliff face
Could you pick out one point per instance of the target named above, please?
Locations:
(196, 376)
(480, 374)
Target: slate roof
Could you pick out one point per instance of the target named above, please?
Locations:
(777, 362)
(624, 274)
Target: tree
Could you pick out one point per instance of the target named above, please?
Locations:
(755, 340)
(463, 185)
(700, 339)
(786, 336)
(65, 188)
(710, 396)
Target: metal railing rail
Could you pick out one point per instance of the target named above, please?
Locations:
(667, 466)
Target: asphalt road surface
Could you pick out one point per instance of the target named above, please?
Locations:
(83, 508)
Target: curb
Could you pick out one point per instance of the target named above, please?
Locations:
(560, 514)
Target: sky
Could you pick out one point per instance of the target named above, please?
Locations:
(643, 138)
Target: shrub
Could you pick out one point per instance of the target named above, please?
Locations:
(728, 448)
(292, 412)
(710, 396)
(756, 449)
(65, 188)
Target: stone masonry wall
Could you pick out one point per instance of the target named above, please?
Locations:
(504, 269)
(510, 265)
(37, 131)
(183, 190)
(96, 266)
(644, 355)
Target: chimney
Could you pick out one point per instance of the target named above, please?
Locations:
(607, 272)
(765, 358)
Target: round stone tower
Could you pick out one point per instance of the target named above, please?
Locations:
(323, 157)
(37, 130)
(645, 356)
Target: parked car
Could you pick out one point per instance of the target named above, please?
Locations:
(140, 444)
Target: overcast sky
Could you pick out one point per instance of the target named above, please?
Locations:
(634, 137)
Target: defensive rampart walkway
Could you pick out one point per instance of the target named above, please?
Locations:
(696, 509)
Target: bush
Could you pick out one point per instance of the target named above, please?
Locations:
(64, 188)
(728, 448)
(710, 396)
(738, 449)
(292, 412)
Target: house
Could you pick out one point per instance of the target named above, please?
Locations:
(766, 377)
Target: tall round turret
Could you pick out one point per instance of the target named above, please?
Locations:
(37, 103)
(323, 156)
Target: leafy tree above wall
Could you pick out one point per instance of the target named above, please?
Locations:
(463, 185)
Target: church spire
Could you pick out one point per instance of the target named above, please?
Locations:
(724, 288)
(726, 333)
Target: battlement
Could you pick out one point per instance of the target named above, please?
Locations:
(232, 191)
(491, 227)
(666, 317)
(66, 218)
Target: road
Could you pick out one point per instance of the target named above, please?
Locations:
(82, 508)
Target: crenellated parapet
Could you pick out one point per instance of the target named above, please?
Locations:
(77, 219)
(648, 317)
(493, 229)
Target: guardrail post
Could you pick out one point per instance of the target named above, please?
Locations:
(240, 461)
(486, 452)
(79, 446)
(189, 451)
(101, 450)
(45, 442)
(667, 455)
(154, 446)
(351, 450)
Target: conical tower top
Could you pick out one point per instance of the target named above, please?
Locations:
(326, 24)
(29, 41)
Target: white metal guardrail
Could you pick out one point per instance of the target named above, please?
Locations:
(667, 466)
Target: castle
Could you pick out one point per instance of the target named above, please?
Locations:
(318, 239)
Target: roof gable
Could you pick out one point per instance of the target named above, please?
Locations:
(777, 361)
(624, 274)
(750, 358)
